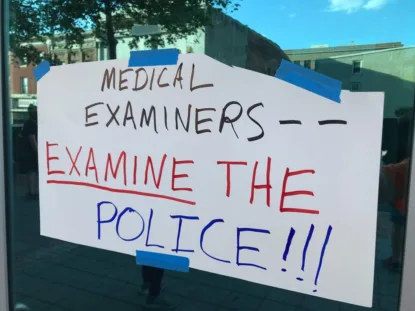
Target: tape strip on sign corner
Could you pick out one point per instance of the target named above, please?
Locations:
(310, 80)
(153, 58)
(41, 69)
(162, 261)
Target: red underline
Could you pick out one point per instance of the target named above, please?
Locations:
(140, 193)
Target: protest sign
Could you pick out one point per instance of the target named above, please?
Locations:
(190, 162)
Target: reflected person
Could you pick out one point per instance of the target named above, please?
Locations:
(30, 156)
(152, 287)
(393, 188)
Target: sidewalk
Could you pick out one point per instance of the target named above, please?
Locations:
(50, 275)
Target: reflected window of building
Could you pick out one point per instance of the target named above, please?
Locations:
(297, 62)
(23, 62)
(307, 64)
(357, 66)
(355, 87)
(24, 85)
(74, 58)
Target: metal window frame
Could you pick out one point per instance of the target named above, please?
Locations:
(5, 161)
(407, 297)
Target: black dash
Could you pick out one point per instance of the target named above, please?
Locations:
(285, 122)
(326, 122)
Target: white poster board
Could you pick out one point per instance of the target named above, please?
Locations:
(296, 209)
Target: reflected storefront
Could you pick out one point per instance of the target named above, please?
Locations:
(244, 246)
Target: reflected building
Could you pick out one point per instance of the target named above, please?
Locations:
(23, 87)
(388, 70)
(227, 41)
(308, 57)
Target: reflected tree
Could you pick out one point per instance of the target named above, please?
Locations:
(49, 21)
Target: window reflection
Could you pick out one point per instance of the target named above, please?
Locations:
(54, 275)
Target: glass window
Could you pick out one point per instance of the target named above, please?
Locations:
(357, 66)
(50, 274)
(24, 85)
(23, 62)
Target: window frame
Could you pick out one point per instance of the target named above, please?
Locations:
(406, 296)
(5, 157)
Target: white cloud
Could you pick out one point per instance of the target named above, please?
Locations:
(292, 15)
(282, 7)
(375, 4)
(348, 6)
(352, 6)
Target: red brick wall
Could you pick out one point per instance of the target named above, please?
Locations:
(17, 72)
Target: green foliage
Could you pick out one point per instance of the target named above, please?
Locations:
(47, 22)
(65, 21)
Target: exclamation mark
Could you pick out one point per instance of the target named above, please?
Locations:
(307, 242)
(287, 247)
(323, 250)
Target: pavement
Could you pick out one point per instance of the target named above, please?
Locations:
(51, 275)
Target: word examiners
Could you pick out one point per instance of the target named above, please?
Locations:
(166, 118)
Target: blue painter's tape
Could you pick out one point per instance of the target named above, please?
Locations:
(41, 69)
(310, 80)
(153, 58)
(163, 261)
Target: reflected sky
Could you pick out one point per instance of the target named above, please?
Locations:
(301, 24)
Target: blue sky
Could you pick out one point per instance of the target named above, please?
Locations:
(302, 23)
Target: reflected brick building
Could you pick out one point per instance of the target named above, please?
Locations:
(23, 87)
(227, 41)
